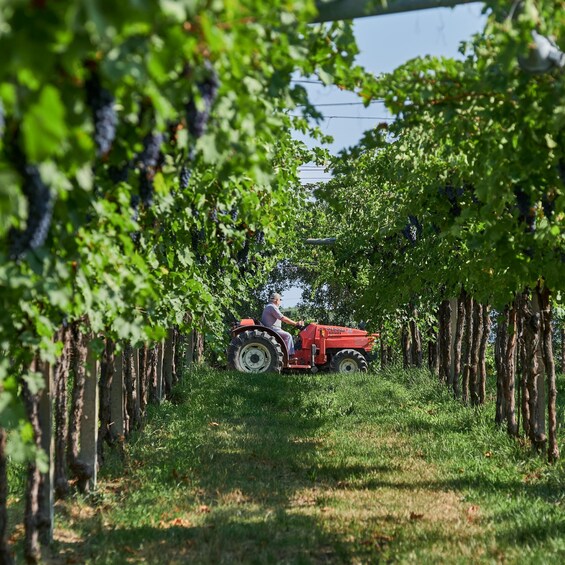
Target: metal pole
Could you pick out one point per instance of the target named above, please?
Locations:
(332, 10)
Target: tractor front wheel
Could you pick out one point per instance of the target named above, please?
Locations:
(255, 351)
(348, 361)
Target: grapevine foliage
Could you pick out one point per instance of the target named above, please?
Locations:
(153, 158)
(476, 153)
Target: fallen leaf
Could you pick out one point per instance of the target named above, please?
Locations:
(415, 516)
(472, 513)
(204, 509)
(213, 424)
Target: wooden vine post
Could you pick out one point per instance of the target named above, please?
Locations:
(159, 371)
(47, 485)
(168, 361)
(89, 422)
(117, 403)
(543, 294)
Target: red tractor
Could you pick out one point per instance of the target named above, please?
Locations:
(258, 349)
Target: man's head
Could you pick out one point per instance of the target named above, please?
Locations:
(275, 298)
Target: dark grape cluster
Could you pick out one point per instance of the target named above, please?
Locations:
(260, 237)
(412, 230)
(548, 205)
(101, 103)
(40, 209)
(452, 194)
(196, 118)
(526, 212)
(150, 155)
(184, 177)
(198, 236)
(147, 163)
(118, 174)
(234, 213)
(242, 256)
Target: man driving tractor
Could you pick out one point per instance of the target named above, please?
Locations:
(272, 318)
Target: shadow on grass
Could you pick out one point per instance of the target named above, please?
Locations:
(247, 449)
(276, 537)
(239, 456)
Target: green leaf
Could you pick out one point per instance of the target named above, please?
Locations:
(44, 126)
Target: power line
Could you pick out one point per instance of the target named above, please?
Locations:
(378, 101)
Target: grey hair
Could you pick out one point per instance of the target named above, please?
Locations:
(274, 296)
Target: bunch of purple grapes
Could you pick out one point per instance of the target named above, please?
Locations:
(147, 162)
(526, 211)
(412, 230)
(40, 210)
(101, 103)
(197, 119)
(452, 194)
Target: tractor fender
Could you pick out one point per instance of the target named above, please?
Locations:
(280, 341)
(333, 351)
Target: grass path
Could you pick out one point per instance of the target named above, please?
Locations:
(324, 469)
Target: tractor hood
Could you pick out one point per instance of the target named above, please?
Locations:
(339, 337)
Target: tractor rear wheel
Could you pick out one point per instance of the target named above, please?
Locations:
(348, 361)
(255, 351)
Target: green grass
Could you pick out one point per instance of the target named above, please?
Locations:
(318, 469)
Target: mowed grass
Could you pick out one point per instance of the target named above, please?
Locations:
(369, 468)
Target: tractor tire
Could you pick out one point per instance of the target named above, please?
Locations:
(348, 361)
(255, 351)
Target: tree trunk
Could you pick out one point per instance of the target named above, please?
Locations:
(107, 367)
(390, 354)
(405, 344)
(445, 341)
(521, 362)
(46, 510)
(178, 368)
(416, 341)
(130, 380)
(62, 369)
(499, 348)
(534, 374)
(168, 362)
(547, 348)
(465, 392)
(510, 373)
(483, 354)
(5, 554)
(199, 349)
(80, 470)
(433, 357)
(383, 353)
(143, 380)
(32, 518)
(151, 372)
(459, 332)
(475, 347)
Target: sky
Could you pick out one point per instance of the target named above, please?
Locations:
(385, 42)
